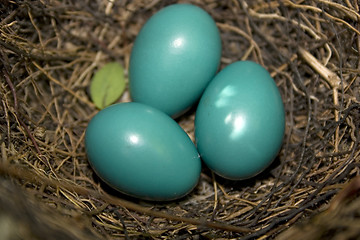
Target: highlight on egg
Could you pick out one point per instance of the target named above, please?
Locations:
(175, 55)
(240, 121)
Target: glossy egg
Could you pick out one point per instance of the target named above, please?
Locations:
(142, 152)
(176, 53)
(240, 121)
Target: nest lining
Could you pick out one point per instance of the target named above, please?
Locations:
(51, 49)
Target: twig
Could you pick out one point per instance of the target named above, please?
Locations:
(24, 54)
(355, 16)
(215, 191)
(16, 114)
(245, 35)
(82, 99)
(331, 78)
(22, 174)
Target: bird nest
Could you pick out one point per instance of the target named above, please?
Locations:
(49, 52)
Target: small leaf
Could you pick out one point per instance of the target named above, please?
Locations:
(107, 85)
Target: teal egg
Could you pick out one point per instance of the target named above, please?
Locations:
(176, 53)
(240, 121)
(142, 152)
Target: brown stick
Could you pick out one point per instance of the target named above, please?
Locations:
(27, 175)
(16, 110)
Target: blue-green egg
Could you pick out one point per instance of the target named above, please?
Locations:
(142, 152)
(175, 55)
(240, 121)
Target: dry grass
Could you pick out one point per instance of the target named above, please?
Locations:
(49, 51)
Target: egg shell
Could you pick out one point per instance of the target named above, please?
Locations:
(175, 55)
(240, 121)
(142, 152)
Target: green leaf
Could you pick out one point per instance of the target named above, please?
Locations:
(107, 85)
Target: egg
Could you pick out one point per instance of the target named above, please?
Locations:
(240, 121)
(176, 53)
(142, 152)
